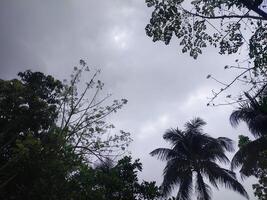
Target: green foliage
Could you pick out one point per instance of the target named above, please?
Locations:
(119, 182)
(230, 26)
(189, 22)
(260, 172)
(243, 141)
(34, 158)
(251, 155)
(260, 188)
(50, 133)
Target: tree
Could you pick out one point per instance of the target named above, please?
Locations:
(115, 182)
(82, 114)
(50, 131)
(254, 114)
(260, 188)
(34, 158)
(251, 155)
(193, 156)
(232, 26)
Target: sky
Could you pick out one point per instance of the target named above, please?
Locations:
(164, 87)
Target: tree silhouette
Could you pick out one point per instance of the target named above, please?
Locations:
(193, 155)
(250, 154)
(51, 130)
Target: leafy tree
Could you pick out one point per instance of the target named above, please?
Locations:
(34, 158)
(119, 182)
(260, 188)
(232, 26)
(193, 155)
(49, 131)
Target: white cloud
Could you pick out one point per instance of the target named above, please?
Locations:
(196, 98)
(152, 128)
(120, 38)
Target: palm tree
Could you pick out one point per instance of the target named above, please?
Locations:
(254, 114)
(193, 156)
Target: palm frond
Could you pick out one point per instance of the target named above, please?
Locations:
(214, 149)
(195, 125)
(204, 191)
(224, 177)
(210, 148)
(185, 189)
(165, 154)
(173, 135)
(174, 172)
(244, 113)
(253, 101)
(256, 120)
(248, 155)
(238, 158)
(226, 143)
(214, 155)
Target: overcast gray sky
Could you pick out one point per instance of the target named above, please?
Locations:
(165, 88)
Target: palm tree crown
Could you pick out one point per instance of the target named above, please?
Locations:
(193, 156)
(254, 114)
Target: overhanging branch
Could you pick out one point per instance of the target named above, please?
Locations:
(251, 6)
(225, 16)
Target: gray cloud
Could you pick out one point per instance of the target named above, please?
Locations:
(164, 87)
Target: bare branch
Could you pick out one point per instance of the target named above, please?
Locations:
(229, 85)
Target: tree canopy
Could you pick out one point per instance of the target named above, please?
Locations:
(53, 131)
(233, 27)
(114, 182)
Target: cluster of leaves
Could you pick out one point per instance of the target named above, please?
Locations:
(237, 26)
(260, 188)
(109, 182)
(119, 182)
(260, 172)
(188, 21)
